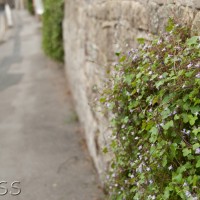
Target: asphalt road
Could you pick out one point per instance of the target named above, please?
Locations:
(41, 142)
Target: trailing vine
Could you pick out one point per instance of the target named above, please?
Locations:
(154, 96)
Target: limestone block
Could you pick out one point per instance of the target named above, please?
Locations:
(196, 4)
(139, 17)
(161, 2)
(114, 10)
(196, 24)
(144, 2)
(153, 17)
(126, 7)
(186, 14)
(100, 11)
(190, 3)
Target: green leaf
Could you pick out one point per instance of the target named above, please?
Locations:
(195, 180)
(198, 164)
(185, 117)
(165, 113)
(129, 78)
(102, 100)
(125, 120)
(186, 151)
(159, 83)
(193, 40)
(166, 193)
(168, 125)
(105, 150)
(196, 131)
(176, 117)
(173, 148)
(177, 178)
(170, 25)
(122, 59)
(117, 54)
(195, 146)
(164, 161)
(154, 134)
(141, 40)
(192, 119)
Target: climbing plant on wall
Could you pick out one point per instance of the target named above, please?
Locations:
(52, 29)
(154, 96)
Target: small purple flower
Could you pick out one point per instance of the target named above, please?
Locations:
(159, 41)
(131, 111)
(150, 181)
(170, 167)
(148, 169)
(150, 110)
(198, 75)
(188, 194)
(189, 65)
(196, 113)
(174, 112)
(197, 65)
(185, 184)
(135, 57)
(145, 47)
(131, 176)
(150, 72)
(177, 47)
(197, 151)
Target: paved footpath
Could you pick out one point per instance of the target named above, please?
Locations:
(41, 144)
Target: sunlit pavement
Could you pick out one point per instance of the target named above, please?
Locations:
(41, 144)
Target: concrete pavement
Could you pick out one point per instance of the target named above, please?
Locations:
(41, 142)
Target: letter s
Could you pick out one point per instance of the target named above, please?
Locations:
(4, 188)
(13, 185)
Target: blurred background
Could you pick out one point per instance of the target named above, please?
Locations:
(54, 55)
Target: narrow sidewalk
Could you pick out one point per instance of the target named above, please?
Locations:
(41, 143)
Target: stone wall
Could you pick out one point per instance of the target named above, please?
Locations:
(93, 31)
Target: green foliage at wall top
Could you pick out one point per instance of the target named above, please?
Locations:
(154, 96)
(29, 5)
(52, 29)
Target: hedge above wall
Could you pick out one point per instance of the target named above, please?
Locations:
(154, 95)
(52, 29)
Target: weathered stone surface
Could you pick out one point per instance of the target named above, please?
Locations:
(114, 10)
(153, 17)
(190, 3)
(93, 31)
(138, 15)
(161, 2)
(186, 14)
(196, 24)
(197, 3)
